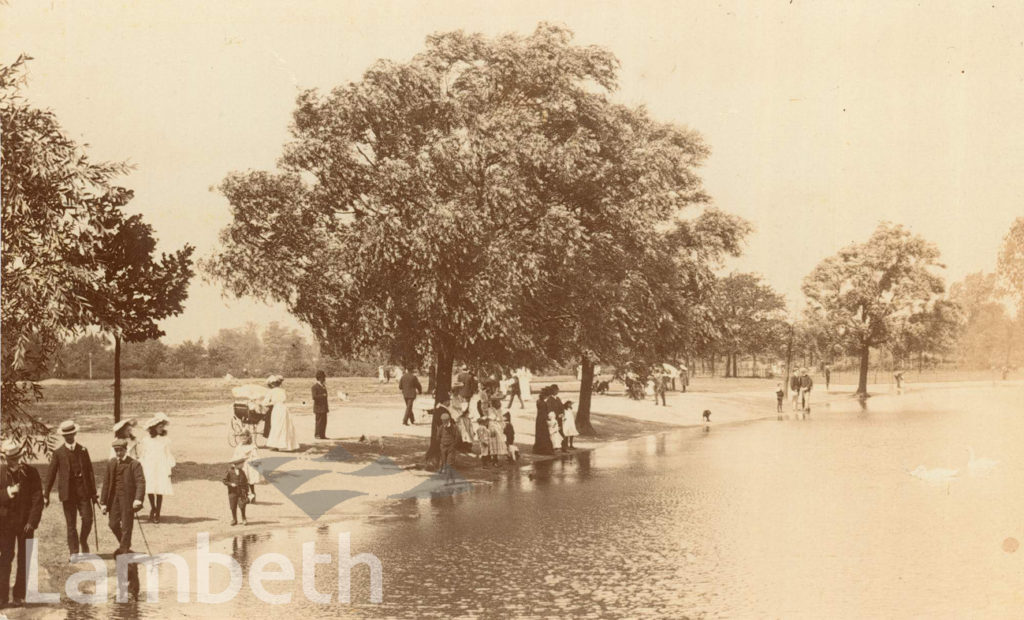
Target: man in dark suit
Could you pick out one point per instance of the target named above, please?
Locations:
(320, 405)
(21, 507)
(123, 490)
(71, 469)
(409, 384)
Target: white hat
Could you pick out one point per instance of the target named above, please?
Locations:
(158, 418)
(68, 427)
(11, 448)
(119, 425)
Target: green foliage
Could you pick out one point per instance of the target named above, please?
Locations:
(867, 293)
(484, 200)
(752, 315)
(987, 337)
(57, 206)
(137, 289)
(1011, 263)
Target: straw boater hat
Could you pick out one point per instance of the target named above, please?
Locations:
(11, 449)
(68, 427)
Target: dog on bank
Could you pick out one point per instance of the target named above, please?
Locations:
(373, 439)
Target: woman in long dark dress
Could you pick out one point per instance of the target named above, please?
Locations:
(542, 442)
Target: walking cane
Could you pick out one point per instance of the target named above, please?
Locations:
(96, 526)
(143, 532)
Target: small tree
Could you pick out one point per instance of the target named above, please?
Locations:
(863, 293)
(137, 290)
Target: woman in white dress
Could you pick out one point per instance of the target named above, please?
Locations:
(282, 430)
(157, 463)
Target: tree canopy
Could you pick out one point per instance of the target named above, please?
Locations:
(137, 289)
(866, 292)
(463, 203)
(1011, 264)
(57, 206)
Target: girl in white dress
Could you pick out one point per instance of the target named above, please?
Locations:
(556, 437)
(282, 430)
(569, 424)
(157, 463)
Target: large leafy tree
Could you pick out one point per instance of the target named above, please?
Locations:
(137, 289)
(866, 292)
(751, 313)
(443, 206)
(58, 205)
(988, 334)
(644, 306)
(1011, 264)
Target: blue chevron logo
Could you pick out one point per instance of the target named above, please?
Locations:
(316, 504)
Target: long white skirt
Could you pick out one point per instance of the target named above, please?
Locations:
(282, 430)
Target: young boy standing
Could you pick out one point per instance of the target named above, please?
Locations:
(238, 489)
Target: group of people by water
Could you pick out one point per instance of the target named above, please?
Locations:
(800, 385)
(476, 420)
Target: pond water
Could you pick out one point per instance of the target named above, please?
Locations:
(796, 518)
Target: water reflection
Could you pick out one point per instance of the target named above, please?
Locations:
(809, 519)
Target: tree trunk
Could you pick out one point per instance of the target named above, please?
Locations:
(583, 425)
(753, 365)
(789, 359)
(117, 378)
(712, 364)
(443, 379)
(442, 394)
(862, 382)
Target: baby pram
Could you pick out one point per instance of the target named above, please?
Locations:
(248, 413)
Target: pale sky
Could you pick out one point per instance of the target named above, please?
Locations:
(823, 118)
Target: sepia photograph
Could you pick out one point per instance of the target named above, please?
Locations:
(511, 309)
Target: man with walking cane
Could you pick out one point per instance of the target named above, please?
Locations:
(123, 490)
(71, 469)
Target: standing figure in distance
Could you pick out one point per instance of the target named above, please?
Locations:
(410, 387)
(320, 407)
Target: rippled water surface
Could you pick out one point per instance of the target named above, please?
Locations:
(809, 518)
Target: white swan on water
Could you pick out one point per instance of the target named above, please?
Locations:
(979, 465)
(938, 474)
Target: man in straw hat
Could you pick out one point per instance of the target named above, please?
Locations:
(123, 490)
(71, 469)
(21, 506)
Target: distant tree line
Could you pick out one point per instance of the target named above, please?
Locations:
(241, 352)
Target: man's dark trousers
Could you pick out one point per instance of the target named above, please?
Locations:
(409, 417)
(12, 539)
(77, 503)
(320, 429)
